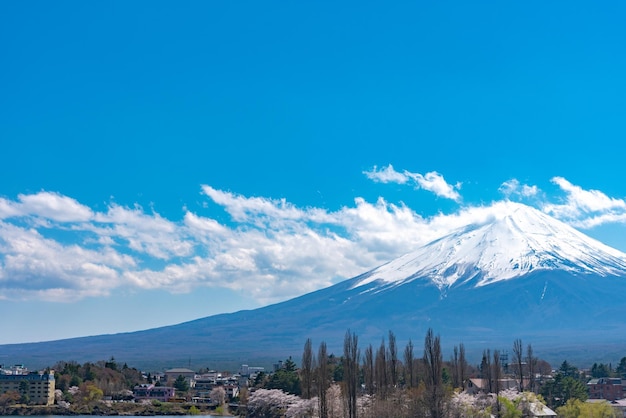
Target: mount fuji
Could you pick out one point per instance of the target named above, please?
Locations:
(519, 273)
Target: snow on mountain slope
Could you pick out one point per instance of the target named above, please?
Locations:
(516, 240)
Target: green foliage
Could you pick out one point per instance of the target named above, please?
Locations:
(286, 379)
(565, 385)
(75, 381)
(181, 384)
(567, 370)
(194, 410)
(621, 367)
(563, 388)
(111, 364)
(337, 370)
(508, 409)
(90, 393)
(600, 370)
(89, 374)
(23, 389)
(574, 408)
(445, 376)
(259, 379)
(289, 365)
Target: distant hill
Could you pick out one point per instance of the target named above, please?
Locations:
(519, 274)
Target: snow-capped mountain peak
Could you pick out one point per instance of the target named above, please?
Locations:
(514, 240)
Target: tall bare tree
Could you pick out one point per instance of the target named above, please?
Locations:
(531, 363)
(393, 360)
(485, 370)
(496, 375)
(433, 362)
(518, 358)
(368, 369)
(307, 370)
(380, 371)
(454, 365)
(462, 364)
(409, 367)
(351, 355)
(323, 380)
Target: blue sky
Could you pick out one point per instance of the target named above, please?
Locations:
(162, 162)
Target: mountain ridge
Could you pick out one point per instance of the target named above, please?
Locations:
(470, 250)
(565, 303)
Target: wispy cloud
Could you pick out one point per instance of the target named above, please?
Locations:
(431, 181)
(46, 205)
(586, 208)
(270, 249)
(386, 175)
(435, 183)
(514, 189)
(37, 267)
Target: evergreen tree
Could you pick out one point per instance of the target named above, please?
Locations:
(621, 367)
(181, 384)
(564, 386)
(567, 370)
(600, 370)
(285, 379)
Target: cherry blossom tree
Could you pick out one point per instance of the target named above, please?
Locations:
(270, 402)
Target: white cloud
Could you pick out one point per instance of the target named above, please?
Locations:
(513, 188)
(54, 207)
(262, 210)
(435, 183)
(586, 208)
(204, 226)
(145, 233)
(35, 266)
(8, 209)
(386, 175)
(271, 250)
(432, 181)
(274, 250)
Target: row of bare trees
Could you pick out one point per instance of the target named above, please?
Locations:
(529, 360)
(389, 380)
(380, 371)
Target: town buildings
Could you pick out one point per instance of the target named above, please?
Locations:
(36, 388)
(611, 389)
(152, 392)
